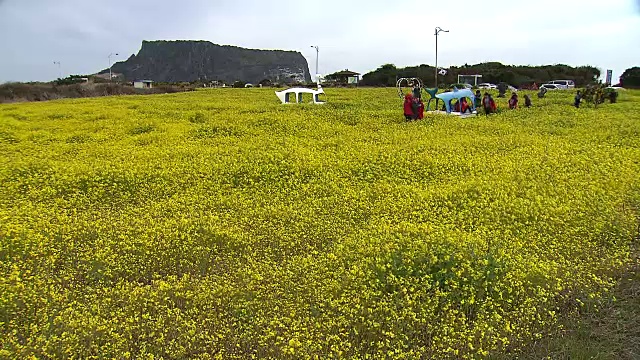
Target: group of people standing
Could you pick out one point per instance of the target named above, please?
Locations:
(414, 107)
(489, 105)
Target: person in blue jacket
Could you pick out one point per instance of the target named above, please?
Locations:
(577, 100)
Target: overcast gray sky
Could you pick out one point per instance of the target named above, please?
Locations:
(358, 35)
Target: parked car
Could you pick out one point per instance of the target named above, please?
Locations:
(487, 86)
(564, 84)
(512, 89)
(551, 86)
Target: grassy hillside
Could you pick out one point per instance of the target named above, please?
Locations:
(221, 224)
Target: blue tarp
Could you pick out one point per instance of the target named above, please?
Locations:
(457, 94)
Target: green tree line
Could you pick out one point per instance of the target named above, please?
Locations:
(631, 78)
(492, 72)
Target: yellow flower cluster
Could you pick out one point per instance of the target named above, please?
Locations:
(220, 224)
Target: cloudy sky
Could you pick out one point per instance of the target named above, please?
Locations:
(358, 34)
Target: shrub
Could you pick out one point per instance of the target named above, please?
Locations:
(13, 92)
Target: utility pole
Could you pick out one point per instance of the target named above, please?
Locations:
(438, 31)
(317, 55)
(110, 75)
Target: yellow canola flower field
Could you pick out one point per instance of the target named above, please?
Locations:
(221, 224)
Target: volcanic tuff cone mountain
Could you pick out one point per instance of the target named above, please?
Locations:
(174, 61)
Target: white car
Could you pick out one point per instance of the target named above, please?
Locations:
(564, 84)
(551, 86)
(463, 86)
(487, 86)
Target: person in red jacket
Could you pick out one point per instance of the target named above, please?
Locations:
(488, 104)
(408, 107)
(464, 106)
(420, 108)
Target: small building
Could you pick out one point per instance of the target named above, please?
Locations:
(472, 80)
(217, 84)
(344, 77)
(143, 84)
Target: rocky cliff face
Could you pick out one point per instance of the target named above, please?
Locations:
(173, 61)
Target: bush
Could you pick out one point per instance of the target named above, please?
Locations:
(16, 92)
(631, 78)
(70, 80)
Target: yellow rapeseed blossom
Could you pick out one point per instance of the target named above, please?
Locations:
(220, 224)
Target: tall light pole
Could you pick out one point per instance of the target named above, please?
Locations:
(438, 31)
(110, 55)
(317, 55)
(59, 69)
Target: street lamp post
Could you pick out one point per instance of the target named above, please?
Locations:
(317, 55)
(110, 75)
(59, 69)
(438, 31)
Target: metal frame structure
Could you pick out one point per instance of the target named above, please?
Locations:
(403, 83)
(317, 56)
(438, 31)
(111, 75)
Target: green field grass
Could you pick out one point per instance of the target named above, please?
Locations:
(221, 224)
